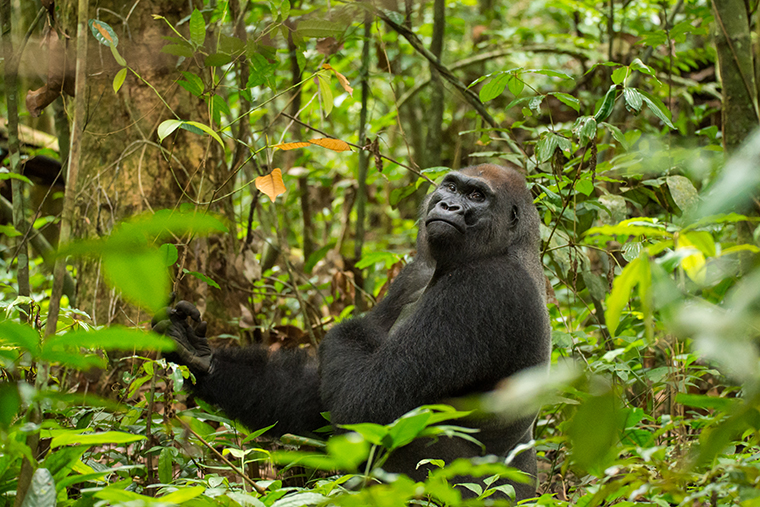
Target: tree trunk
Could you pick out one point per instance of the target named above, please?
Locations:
(126, 171)
(737, 75)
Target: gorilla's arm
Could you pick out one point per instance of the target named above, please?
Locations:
(471, 328)
(259, 388)
(405, 290)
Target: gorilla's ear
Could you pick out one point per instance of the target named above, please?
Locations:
(514, 216)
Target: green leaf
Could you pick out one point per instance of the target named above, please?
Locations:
(585, 129)
(191, 128)
(90, 439)
(17, 335)
(41, 492)
(657, 107)
(515, 85)
(197, 28)
(619, 75)
(326, 93)
(184, 50)
(171, 221)
(705, 401)
(637, 64)
(535, 104)
(219, 106)
(594, 430)
(349, 451)
(165, 468)
(633, 100)
(548, 143)
(167, 127)
(202, 278)
(193, 83)
(405, 429)
(208, 130)
(317, 256)
(617, 134)
(217, 60)
(170, 254)
(118, 80)
(373, 433)
(140, 274)
(14, 176)
(182, 495)
(568, 100)
(317, 28)
(9, 231)
(585, 186)
(10, 401)
(683, 193)
(551, 73)
(629, 230)
(605, 108)
(621, 293)
(103, 32)
(494, 88)
(109, 338)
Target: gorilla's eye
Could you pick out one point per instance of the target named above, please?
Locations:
(477, 196)
(450, 187)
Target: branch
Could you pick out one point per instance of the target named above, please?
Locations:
(468, 94)
(491, 55)
(224, 460)
(389, 159)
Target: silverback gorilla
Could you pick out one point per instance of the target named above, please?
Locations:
(466, 313)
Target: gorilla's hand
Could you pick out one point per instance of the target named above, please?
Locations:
(193, 349)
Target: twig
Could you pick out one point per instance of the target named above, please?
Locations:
(467, 93)
(389, 159)
(75, 154)
(483, 57)
(220, 456)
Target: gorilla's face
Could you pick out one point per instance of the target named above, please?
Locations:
(474, 213)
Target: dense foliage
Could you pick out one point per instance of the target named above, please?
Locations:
(612, 109)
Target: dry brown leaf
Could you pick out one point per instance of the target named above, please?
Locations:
(331, 144)
(291, 146)
(103, 31)
(271, 184)
(341, 79)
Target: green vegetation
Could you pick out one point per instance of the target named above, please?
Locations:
(268, 158)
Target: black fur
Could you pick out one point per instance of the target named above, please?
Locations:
(466, 313)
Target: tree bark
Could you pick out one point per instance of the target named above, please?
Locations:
(125, 170)
(737, 75)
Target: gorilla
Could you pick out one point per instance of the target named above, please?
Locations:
(467, 312)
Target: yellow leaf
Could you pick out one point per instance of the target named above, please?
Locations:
(331, 144)
(271, 184)
(694, 264)
(341, 79)
(291, 146)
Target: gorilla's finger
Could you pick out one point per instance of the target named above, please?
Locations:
(185, 309)
(160, 326)
(200, 331)
(163, 314)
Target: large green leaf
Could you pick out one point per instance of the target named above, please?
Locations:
(197, 28)
(140, 274)
(41, 492)
(110, 338)
(634, 273)
(90, 439)
(18, 335)
(594, 431)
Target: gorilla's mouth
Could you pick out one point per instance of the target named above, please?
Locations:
(456, 226)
